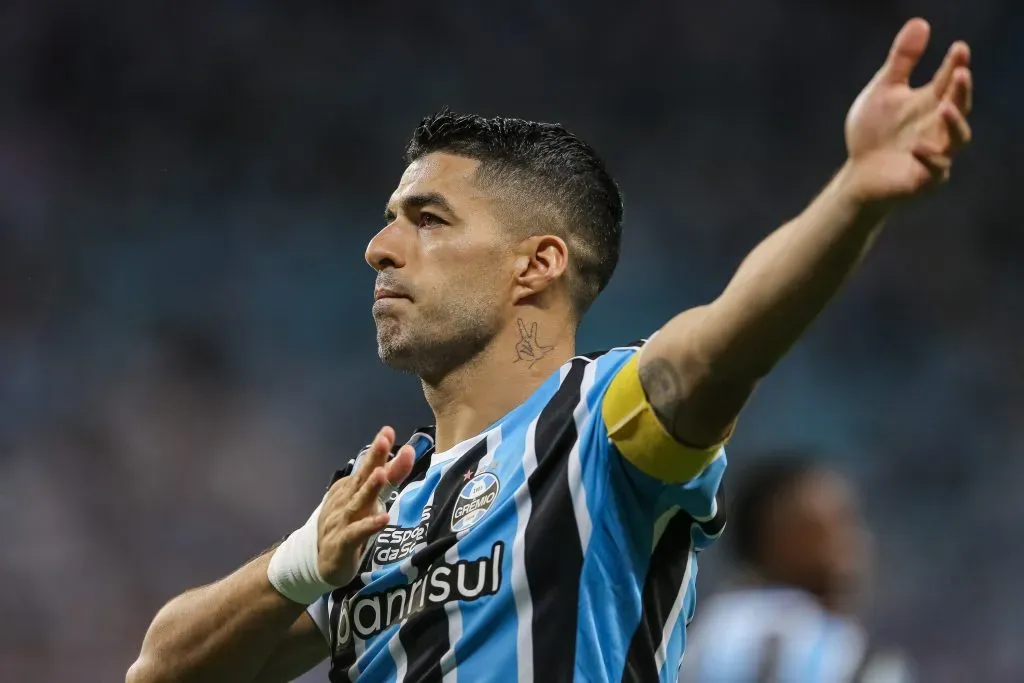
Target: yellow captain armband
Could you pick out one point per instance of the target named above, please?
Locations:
(641, 438)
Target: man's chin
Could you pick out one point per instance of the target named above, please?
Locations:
(428, 357)
(396, 357)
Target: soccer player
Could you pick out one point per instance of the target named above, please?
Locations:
(796, 529)
(546, 527)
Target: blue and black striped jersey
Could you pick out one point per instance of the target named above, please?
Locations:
(547, 548)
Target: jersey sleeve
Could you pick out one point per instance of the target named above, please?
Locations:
(648, 468)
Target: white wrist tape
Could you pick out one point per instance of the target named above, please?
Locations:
(293, 567)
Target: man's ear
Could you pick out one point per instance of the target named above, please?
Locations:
(540, 262)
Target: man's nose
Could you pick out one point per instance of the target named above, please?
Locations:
(385, 249)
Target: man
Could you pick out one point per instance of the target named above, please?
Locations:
(797, 532)
(546, 527)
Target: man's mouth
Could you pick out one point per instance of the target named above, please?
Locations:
(385, 293)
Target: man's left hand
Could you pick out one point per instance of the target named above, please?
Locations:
(901, 140)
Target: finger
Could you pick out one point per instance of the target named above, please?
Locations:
(361, 530)
(958, 55)
(366, 496)
(906, 51)
(935, 162)
(968, 101)
(380, 449)
(959, 130)
(522, 326)
(401, 465)
(533, 331)
(961, 90)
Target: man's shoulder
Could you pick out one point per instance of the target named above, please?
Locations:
(584, 377)
(629, 348)
(592, 371)
(572, 393)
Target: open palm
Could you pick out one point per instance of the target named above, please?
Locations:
(901, 140)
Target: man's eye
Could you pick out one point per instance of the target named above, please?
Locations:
(428, 219)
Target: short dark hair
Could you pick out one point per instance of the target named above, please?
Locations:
(760, 486)
(541, 166)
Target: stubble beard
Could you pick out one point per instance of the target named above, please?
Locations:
(434, 348)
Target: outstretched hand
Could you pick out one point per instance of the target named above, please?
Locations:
(901, 140)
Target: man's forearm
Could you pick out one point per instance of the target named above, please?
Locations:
(786, 281)
(701, 368)
(225, 631)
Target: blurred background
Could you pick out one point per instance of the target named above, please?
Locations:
(186, 346)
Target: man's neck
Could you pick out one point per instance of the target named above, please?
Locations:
(476, 395)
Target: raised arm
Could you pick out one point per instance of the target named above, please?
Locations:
(701, 368)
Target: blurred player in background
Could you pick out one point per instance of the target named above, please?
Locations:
(546, 527)
(796, 529)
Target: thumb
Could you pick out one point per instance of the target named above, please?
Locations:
(906, 51)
